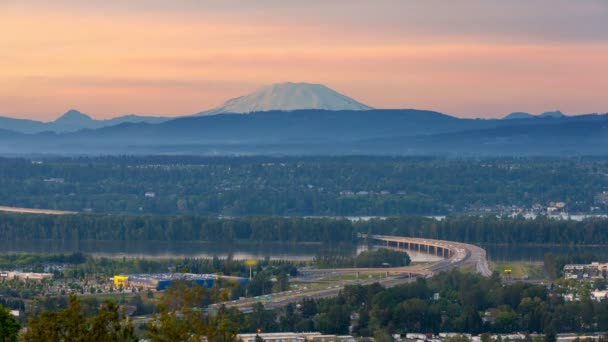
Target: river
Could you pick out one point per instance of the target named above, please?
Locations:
(248, 250)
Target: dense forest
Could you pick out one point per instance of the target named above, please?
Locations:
(328, 231)
(304, 186)
(449, 302)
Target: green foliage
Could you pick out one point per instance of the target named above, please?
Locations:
(467, 303)
(331, 232)
(261, 319)
(299, 186)
(72, 324)
(35, 261)
(260, 284)
(181, 316)
(382, 257)
(9, 326)
(554, 264)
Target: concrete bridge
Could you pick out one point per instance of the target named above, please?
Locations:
(433, 247)
(453, 254)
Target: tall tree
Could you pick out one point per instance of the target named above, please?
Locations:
(9, 326)
(182, 316)
(71, 324)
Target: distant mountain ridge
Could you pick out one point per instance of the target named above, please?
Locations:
(72, 121)
(288, 96)
(524, 115)
(321, 132)
(304, 118)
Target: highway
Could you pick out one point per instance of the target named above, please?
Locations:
(460, 254)
(35, 211)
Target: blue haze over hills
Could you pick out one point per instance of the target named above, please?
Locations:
(329, 123)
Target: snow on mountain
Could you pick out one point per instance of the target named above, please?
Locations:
(289, 96)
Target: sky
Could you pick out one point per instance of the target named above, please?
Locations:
(469, 58)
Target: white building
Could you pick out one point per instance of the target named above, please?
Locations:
(295, 337)
(25, 275)
(599, 295)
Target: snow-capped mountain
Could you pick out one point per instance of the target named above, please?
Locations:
(289, 96)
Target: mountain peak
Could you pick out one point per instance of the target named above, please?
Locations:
(518, 115)
(553, 114)
(289, 96)
(73, 116)
(524, 115)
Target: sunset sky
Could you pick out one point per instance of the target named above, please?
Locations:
(151, 57)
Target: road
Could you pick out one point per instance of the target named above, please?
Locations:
(462, 254)
(281, 299)
(35, 211)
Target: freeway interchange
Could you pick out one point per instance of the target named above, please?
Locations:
(454, 255)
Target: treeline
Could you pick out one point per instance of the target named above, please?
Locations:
(35, 262)
(382, 257)
(304, 186)
(470, 229)
(493, 230)
(172, 228)
(449, 302)
(554, 264)
(109, 267)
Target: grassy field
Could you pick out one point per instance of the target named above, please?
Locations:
(334, 280)
(534, 270)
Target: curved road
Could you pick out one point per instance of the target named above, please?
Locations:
(461, 254)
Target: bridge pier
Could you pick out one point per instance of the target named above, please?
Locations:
(419, 245)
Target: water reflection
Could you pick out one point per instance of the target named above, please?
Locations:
(164, 249)
(248, 250)
(537, 252)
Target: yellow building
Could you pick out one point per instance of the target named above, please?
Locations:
(120, 280)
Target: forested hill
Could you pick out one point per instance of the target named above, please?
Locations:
(293, 230)
(378, 132)
(300, 186)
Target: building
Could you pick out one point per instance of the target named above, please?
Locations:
(161, 281)
(25, 275)
(121, 281)
(599, 295)
(600, 267)
(295, 337)
(593, 270)
(273, 337)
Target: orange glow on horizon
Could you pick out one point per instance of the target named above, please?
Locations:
(161, 64)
